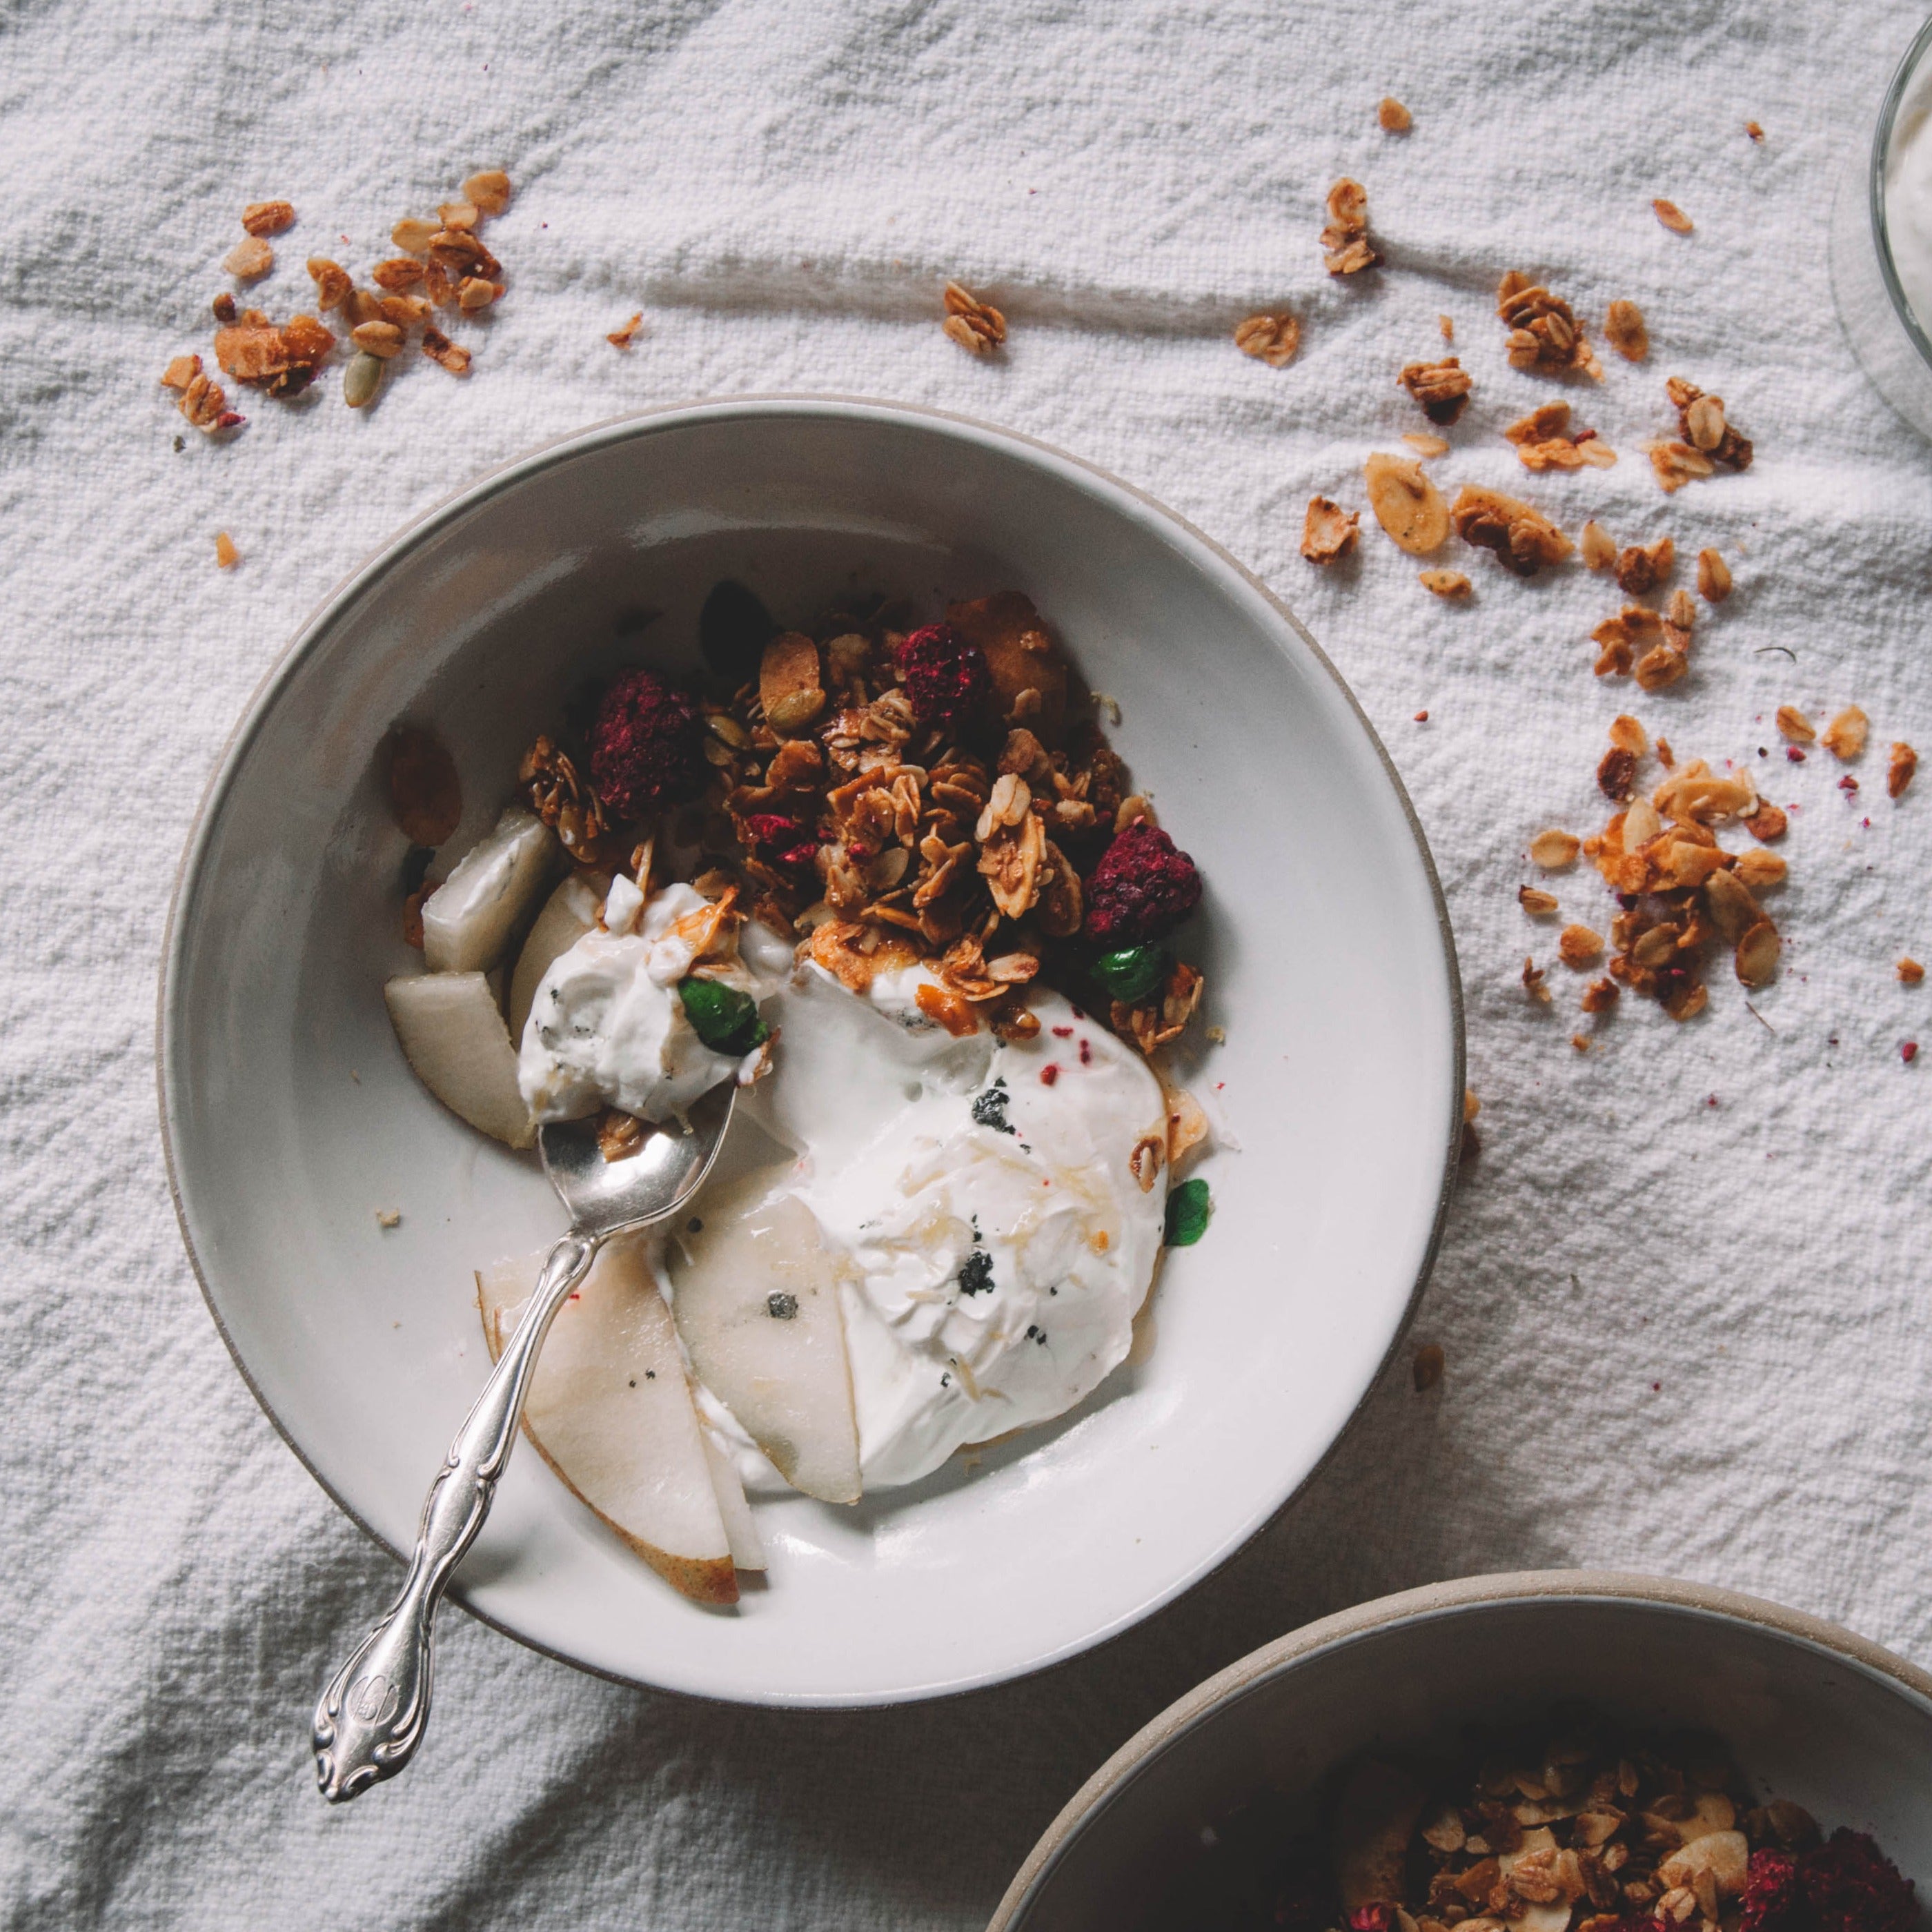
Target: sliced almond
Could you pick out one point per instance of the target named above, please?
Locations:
(1407, 504)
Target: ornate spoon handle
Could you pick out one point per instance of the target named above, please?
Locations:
(372, 1717)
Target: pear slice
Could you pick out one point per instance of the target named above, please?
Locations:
(569, 914)
(467, 921)
(610, 1410)
(747, 1549)
(452, 1034)
(757, 1303)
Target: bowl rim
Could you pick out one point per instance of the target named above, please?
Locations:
(1902, 78)
(552, 452)
(1459, 1596)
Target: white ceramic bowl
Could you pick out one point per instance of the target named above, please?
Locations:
(1810, 1711)
(291, 1118)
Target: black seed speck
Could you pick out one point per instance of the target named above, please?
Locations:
(781, 1307)
(975, 1273)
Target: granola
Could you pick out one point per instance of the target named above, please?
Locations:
(1346, 247)
(1544, 334)
(1523, 539)
(1328, 531)
(1272, 338)
(976, 326)
(1442, 389)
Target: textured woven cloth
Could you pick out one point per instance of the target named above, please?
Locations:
(1681, 1297)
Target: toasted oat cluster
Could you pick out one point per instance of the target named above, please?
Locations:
(443, 264)
(1544, 334)
(1544, 440)
(890, 793)
(1346, 247)
(1575, 1829)
(1706, 441)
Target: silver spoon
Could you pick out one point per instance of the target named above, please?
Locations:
(372, 1717)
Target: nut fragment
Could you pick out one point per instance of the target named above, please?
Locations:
(1910, 973)
(974, 325)
(1441, 389)
(1714, 576)
(249, 261)
(1705, 421)
(1898, 773)
(1844, 737)
(361, 378)
(1623, 330)
(1395, 119)
(1451, 584)
(1553, 850)
(489, 190)
(1673, 217)
(268, 218)
(1328, 531)
(1407, 504)
(1269, 338)
(438, 347)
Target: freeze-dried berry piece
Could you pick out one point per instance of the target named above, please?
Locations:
(1851, 1886)
(1141, 889)
(646, 744)
(1772, 1897)
(780, 838)
(947, 682)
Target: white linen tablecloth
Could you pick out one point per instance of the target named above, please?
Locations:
(1682, 1296)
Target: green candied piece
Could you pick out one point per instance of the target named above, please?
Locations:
(1187, 1210)
(1132, 972)
(725, 1019)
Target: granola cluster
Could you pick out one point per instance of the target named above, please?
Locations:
(443, 266)
(889, 793)
(1544, 334)
(1705, 442)
(1580, 1830)
(1346, 249)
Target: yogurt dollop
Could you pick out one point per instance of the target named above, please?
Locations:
(995, 1208)
(607, 1026)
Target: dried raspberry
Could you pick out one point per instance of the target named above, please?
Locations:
(781, 838)
(647, 746)
(1142, 888)
(946, 680)
(1851, 1886)
(1376, 1917)
(1772, 1902)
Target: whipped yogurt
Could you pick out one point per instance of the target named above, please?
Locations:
(1908, 202)
(607, 1027)
(980, 1201)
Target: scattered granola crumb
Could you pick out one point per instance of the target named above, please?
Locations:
(1553, 850)
(1626, 734)
(1471, 1106)
(1442, 389)
(1446, 324)
(1451, 584)
(1616, 775)
(1217, 1036)
(227, 556)
(1544, 332)
(1673, 217)
(1535, 901)
(975, 326)
(1345, 246)
(1910, 972)
(222, 307)
(1714, 576)
(1424, 445)
(1665, 756)
(1898, 773)
(1395, 119)
(1908, 1050)
(1600, 996)
(623, 337)
(1767, 823)
(1329, 531)
(268, 218)
(1795, 725)
(1426, 1370)
(1421, 718)
(1754, 130)
(1532, 982)
(332, 283)
(1522, 537)
(1623, 330)
(1272, 338)
(388, 1217)
(249, 261)
(488, 191)
(1597, 546)
(1579, 946)
(1844, 737)
(1642, 569)
(438, 347)
(1581, 1042)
